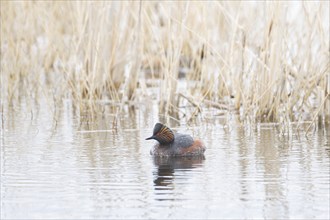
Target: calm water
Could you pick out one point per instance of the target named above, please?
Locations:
(56, 165)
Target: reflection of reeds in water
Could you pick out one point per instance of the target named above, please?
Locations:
(268, 60)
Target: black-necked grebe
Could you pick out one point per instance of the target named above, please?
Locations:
(174, 145)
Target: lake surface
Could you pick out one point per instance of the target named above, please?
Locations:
(57, 165)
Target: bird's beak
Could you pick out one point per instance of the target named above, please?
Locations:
(149, 138)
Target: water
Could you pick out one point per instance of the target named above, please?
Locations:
(56, 165)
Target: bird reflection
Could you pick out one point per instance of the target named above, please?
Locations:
(166, 168)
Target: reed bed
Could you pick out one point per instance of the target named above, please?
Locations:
(267, 61)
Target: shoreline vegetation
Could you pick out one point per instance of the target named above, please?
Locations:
(265, 61)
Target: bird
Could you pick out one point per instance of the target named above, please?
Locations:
(172, 144)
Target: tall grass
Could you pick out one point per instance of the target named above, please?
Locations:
(267, 60)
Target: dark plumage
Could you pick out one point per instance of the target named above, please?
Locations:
(174, 145)
(162, 134)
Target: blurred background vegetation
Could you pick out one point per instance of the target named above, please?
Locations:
(266, 61)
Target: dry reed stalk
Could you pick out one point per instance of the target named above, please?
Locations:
(268, 60)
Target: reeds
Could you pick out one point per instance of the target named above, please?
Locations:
(269, 61)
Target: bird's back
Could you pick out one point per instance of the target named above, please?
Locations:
(182, 140)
